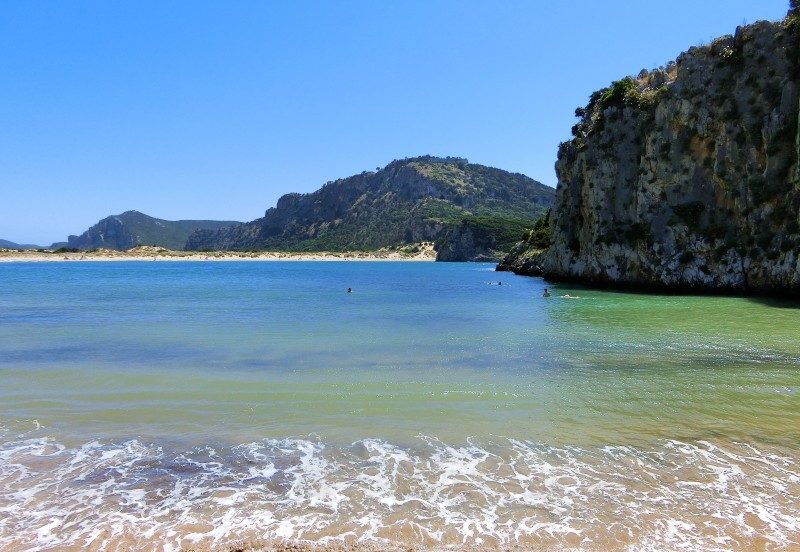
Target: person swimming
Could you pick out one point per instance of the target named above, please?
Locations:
(546, 293)
(349, 290)
(568, 296)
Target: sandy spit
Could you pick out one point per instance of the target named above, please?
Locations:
(423, 252)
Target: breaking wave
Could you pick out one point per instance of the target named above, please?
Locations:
(497, 493)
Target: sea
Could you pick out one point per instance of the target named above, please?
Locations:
(207, 405)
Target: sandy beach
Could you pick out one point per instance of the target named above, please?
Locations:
(419, 252)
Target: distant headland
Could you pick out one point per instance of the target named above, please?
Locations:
(469, 212)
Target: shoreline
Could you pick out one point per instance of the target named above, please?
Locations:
(424, 253)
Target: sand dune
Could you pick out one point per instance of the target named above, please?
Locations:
(419, 252)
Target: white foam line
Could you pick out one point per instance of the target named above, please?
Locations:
(513, 491)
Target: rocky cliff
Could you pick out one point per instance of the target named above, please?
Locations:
(482, 238)
(133, 228)
(410, 200)
(685, 177)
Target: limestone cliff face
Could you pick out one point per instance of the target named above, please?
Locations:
(460, 242)
(110, 232)
(686, 177)
(465, 242)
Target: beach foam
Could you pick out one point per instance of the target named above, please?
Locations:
(671, 496)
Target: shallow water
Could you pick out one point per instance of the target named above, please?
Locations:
(185, 403)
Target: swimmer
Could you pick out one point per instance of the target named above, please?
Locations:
(546, 293)
(568, 296)
(349, 290)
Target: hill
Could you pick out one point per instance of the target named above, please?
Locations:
(5, 244)
(132, 228)
(686, 177)
(408, 201)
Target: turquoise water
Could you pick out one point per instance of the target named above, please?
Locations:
(213, 400)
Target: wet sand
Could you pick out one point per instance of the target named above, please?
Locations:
(422, 252)
(308, 496)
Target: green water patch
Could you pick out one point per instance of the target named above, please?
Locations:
(238, 352)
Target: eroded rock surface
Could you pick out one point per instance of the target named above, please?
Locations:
(686, 177)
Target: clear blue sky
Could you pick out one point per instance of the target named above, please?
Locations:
(215, 109)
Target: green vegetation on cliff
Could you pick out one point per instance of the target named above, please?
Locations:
(539, 236)
(482, 237)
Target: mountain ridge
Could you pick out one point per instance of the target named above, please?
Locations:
(133, 228)
(7, 244)
(409, 200)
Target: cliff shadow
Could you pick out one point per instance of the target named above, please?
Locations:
(777, 302)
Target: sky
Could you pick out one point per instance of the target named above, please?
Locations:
(213, 110)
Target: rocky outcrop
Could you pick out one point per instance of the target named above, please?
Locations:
(108, 233)
(522, 259)
(408, 201)
(132, 228)
(686, 177)
(461, 243)
(482, 238)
